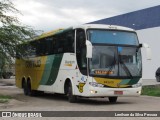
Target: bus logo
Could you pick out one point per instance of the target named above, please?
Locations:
(69, 63)
(80, 87)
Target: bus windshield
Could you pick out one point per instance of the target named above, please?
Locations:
(115, 55)
(112, 37)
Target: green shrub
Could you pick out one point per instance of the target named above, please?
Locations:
(153, 90)
(4, 98)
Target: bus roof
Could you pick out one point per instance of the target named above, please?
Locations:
(47, 34)
(53, 32)
(85, 26)
(104, 26)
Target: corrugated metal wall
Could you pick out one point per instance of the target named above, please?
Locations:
(142, 19)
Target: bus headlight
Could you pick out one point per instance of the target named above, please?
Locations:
(95, 84)
(137, 85)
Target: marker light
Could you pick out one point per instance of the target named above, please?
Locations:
(93, 92)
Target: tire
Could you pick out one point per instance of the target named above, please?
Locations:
(30, 91)
(112, 99)
(25, 89)
(71, 98)
(158, 78)
(29, 88)
(33, 92)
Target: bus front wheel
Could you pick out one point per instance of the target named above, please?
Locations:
(72, 98)
(158, 78)
(112, 99)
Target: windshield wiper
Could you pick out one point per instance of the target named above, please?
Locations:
(113, 64)
(125, 67)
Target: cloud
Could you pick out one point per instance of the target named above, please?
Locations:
(51, 14)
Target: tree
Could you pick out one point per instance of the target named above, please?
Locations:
(12, 32)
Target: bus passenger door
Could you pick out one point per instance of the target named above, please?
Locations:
(81, 51)
(81, 73)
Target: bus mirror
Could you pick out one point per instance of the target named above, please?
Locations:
(89, 49)
(148, 50)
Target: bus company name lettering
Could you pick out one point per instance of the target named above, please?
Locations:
(109, 82)
(69, 63)
(33, 63)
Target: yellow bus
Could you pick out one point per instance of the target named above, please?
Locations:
(90, 60)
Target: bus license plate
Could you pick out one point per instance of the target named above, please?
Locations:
(118, 92)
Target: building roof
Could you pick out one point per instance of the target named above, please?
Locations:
(141, 19)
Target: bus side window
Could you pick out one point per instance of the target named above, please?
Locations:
(60, 43)
(38, 48)
(69, 41)
(44, 47)
(81, 51)
(66, 42)
(49, 46)
(32, 48)
(54, 44)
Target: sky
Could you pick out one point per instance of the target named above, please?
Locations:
(47, 15)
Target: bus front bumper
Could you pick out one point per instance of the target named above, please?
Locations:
(106, 92)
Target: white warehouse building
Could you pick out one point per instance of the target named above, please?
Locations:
(146, 22)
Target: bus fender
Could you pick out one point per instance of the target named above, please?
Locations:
(71, 80)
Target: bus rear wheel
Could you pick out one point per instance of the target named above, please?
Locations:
(112, 99)
(30, 91)
(24, 86)
(72, 98)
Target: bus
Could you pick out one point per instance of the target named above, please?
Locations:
(90, 60)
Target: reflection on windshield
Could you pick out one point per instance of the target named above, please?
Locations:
(115, 61)
(130, 62)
